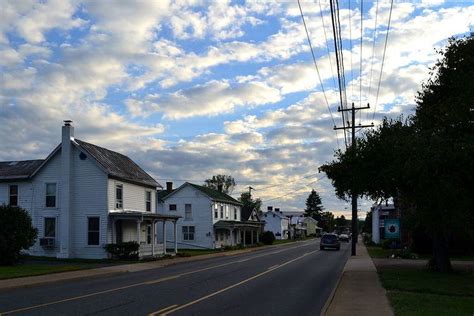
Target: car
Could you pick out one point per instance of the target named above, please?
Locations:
(329, 241)
(344, 237)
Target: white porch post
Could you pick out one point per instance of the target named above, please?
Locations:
(258, 237)
(251, 237)
(114, 237)
(153, 238)
(244, 236)
(164, 237)
(175, 230)
(138, 231)
(231, 231)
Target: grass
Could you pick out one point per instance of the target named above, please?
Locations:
(197, 252)
(24, 270)
(414, 291)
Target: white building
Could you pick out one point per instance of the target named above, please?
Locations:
(379, 214)
(82, 197)
(211, 218)
(277, 223)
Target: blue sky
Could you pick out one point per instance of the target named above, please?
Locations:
(191, 89)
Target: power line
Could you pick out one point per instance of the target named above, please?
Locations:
(383, 58)
(327, 45)
(373, 50)
(316, 66)
(350, 43)
(361, 45)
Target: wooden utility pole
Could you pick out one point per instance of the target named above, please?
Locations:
(354, 193)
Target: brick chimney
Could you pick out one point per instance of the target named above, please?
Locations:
(169, 186)
(269, 208)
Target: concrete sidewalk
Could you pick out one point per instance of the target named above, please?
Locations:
(118, 269)
(359, 291)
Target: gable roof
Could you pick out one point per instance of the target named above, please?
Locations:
(18, 170)
(117, 165)
(211, 193)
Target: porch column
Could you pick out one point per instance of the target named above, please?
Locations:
(114, 237)
(244, 236)
(231, 232)
(251, 237)
(175, 230)
(138, 231)
(164, 237)
(258, 237)
(153, 238)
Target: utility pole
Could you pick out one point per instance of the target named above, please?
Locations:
(354, 193)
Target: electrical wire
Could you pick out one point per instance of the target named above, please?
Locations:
(383, 58)
(373, 51)
(317, 69)
(361, 42)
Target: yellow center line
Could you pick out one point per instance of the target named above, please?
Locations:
(234, 285)
(163, 310)
(74, 298)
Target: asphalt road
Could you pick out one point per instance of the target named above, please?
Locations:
(291, 279)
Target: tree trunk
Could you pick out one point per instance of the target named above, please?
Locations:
(440, 261)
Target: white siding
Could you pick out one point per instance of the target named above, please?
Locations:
(275, 224)
(133, 196)
(201, 219)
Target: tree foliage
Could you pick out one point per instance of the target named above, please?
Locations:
(227, 182)
(250, 204)
(425, 162)
(340, 221)
(17, 233)
(327, 222)
(314, 206)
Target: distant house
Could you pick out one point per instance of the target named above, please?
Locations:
(82, 197)
(312, 228)
(276, 222)
(211, 218)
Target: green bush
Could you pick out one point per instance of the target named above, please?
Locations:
(125, 250)
(267, 237)
(16, 233)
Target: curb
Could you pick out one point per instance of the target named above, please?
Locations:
(333, 292)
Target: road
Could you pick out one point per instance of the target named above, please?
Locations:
(290, 279)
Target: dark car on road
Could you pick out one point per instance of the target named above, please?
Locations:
(329, 241)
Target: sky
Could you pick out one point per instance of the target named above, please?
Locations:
(189, 89)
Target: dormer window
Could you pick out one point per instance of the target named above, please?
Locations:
(119, 196)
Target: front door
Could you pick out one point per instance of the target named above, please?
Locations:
(118, 231)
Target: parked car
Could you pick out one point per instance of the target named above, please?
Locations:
(329, 241)
(344, 237)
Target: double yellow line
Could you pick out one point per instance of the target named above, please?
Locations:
(74, 298)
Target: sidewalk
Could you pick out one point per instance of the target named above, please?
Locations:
(118, 269)
(359, 291)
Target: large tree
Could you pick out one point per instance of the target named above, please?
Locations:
(327, 222)
(250, 204)
(314, 206)
(227, 182)
(425, 162)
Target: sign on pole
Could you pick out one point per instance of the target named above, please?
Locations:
(392, 228)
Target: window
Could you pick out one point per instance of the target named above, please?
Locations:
(119, 196)
(13, 195)
(222, 211)
(216, 212)
(235, 213)
(148, 201)
(188, 212)
(226, 211)
(188, 232)
(50, 227)
(172, 207)
(50, 194)
(93, 231)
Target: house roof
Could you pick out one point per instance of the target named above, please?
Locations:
(117, 165)
(211, 193)
(18, 170)
(278, 214)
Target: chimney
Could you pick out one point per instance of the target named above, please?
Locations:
(269, 208)
(169, 186)
(277, 209)
(219, 187)
(64, 200)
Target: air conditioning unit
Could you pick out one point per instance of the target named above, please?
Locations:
(47, 242)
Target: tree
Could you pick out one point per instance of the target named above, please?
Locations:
(314, 206)
(327, 222)
(17, 233)
(425, 162)
(227, 182)
(250, 204)
(367, 226)
(340, 221)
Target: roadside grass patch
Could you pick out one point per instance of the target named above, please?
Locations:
(414, 291)
(24, 270)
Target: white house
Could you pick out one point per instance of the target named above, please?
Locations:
(82, 197)
(211, 218)
(277, 223)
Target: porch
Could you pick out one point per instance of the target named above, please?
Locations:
(142, 228)
(233, 233)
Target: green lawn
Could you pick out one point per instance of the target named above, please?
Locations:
(23, 270)
(413, 291)
(196, 252)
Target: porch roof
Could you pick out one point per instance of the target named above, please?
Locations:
(238, 224)
(144, 216)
